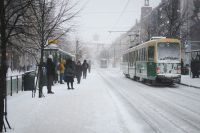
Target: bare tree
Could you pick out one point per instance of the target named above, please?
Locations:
(148, 28)
(48, 18)
(11, 14)
(195, 27)
(171, 19)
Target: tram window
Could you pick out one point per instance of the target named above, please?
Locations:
(135, 56)
(142, 54)
(136, 52)
(151, 53)
(146, 53)
(130, 58)
(126, 57)
(139, 54)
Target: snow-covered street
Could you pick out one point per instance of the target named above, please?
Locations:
(107, 102)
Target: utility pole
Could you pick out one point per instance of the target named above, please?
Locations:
(76, 50)
(114, 60)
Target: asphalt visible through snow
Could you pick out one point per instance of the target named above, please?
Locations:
(159, 109)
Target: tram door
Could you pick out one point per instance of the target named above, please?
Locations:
(151, 65)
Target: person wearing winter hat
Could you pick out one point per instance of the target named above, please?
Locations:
(50, 71)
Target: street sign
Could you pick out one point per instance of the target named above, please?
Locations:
(53, 41)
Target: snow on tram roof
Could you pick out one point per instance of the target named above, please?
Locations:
(163, 39)
(60, 51)
(157, 37)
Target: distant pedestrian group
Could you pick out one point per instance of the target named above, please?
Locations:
(73, 70)
(68, 70)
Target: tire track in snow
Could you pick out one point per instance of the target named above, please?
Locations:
(143, 115)
(166, 117)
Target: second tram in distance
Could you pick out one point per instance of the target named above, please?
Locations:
(155, 61)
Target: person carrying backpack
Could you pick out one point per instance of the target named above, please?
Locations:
(69, 73)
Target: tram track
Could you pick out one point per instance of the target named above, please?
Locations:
(173, 92)
(172, 107)
(167, 107)
(143, 115)
(184, 95)
(176, 104)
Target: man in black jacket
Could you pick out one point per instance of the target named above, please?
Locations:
(78, 71)
(84, 68)
(50, 67)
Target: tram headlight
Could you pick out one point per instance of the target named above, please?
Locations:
(158, 70)
(179, 70)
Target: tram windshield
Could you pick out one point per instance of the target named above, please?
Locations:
(168, 51)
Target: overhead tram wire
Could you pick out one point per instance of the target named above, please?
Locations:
(118, 19)
(122, 12)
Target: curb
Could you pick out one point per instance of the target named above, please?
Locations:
(190, 85)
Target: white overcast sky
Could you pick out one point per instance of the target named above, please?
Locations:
(100, 16)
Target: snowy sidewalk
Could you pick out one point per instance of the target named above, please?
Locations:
(187, 80)
(88, 108)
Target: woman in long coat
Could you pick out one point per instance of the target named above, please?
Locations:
(69, 73)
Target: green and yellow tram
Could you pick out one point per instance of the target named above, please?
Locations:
(58, 54)
(155, 61)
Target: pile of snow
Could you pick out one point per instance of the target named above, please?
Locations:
(186, 79)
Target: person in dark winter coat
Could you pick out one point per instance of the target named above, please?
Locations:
(85, 67)
(78, 71)
(195, 68)
(50, 71)
(69, 73)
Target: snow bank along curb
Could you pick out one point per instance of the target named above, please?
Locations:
(190, 85)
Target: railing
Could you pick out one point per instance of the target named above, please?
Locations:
(14, 84)
(21, 82)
